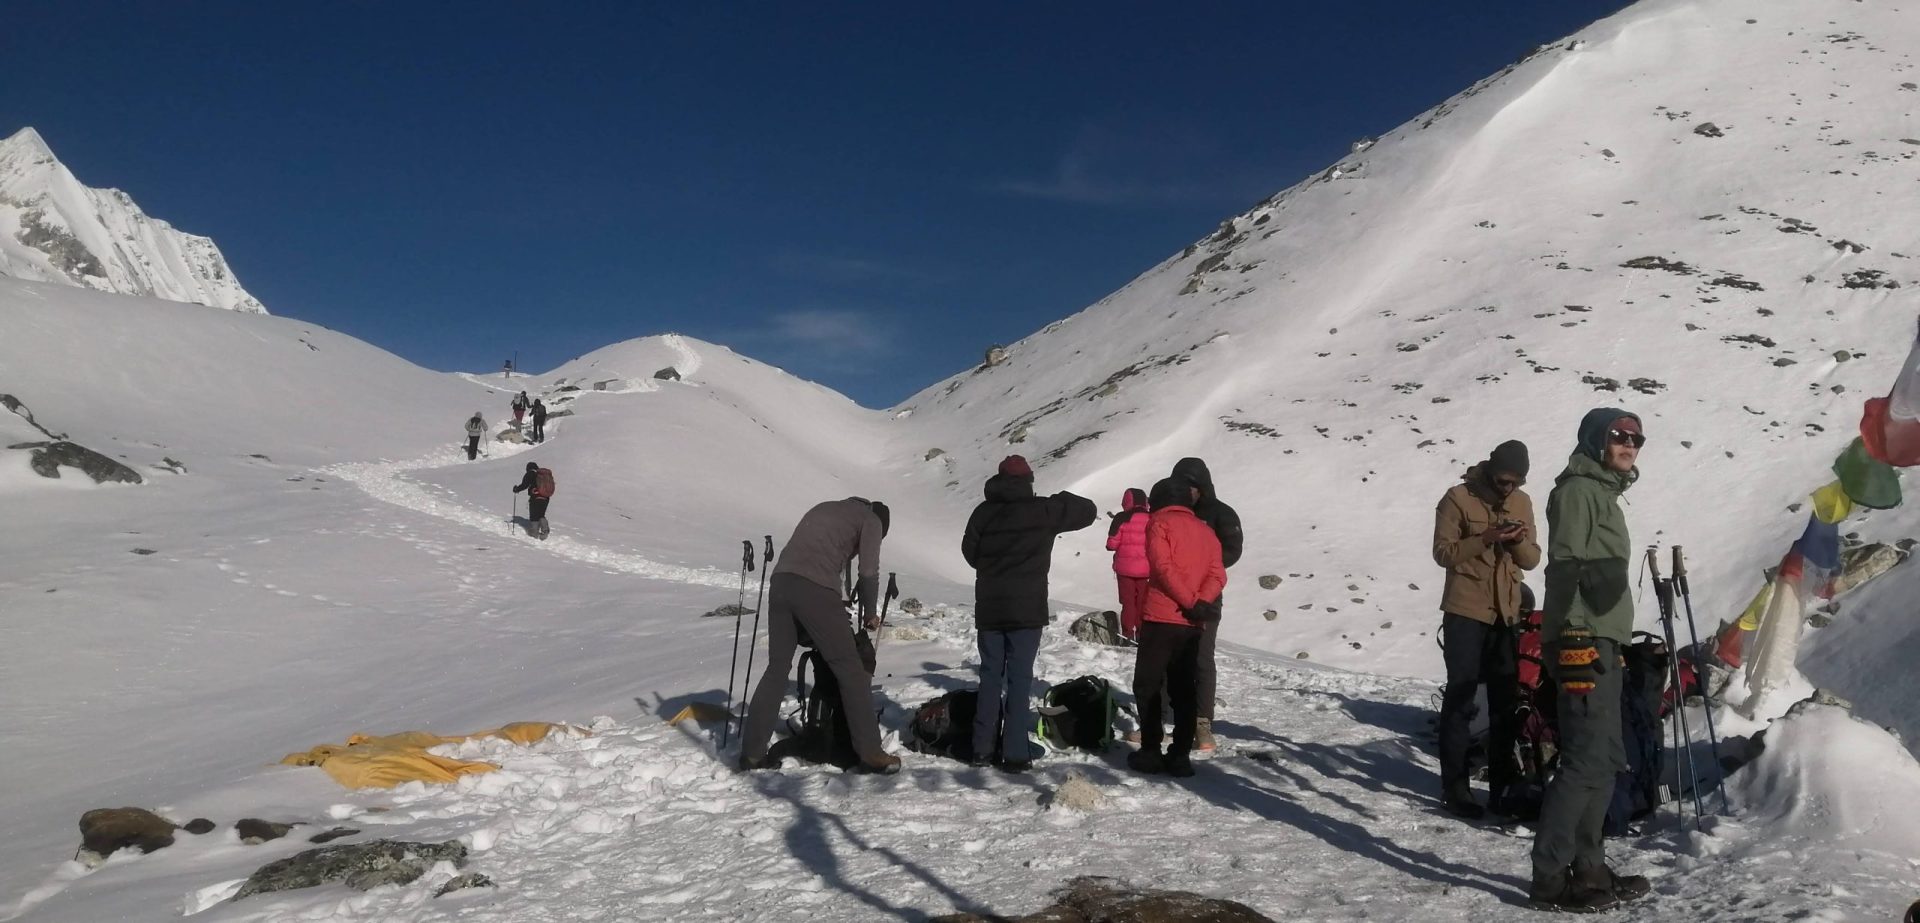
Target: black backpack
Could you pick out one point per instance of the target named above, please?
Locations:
(1636, 792)
(1079, 713)
(944, 726)
(823, 735)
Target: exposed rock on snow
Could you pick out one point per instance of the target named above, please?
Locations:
(1110, 900)
(254, 831)
(668, 374)
(105, 831)
(1098, 628)
(1076, 793)
(361, 866)
(728, 611)
(49, 457)
(462, 882)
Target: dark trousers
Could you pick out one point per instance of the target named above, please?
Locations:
(540, 429)
(1477, 653)
(795, 601)
(1592, 751)
(473, 447)
(537, 514)
(1006, 691)
(1205, 678)
(1168, 663)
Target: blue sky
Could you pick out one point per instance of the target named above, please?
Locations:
(867, 194)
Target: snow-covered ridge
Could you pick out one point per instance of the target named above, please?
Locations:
(53, 229)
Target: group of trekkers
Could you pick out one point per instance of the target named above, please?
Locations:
(538, 481)
(522, 408)
(1172, 546)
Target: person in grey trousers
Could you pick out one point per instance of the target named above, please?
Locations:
(804, 598)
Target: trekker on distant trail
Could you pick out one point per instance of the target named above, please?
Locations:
(805, 604)
(1127, 539)
(1186, 577)
(519, 406)
(1009, 544)
(1586, 621)
(476, 427)
(539, 421)
(539, 487)
(1226, 526)
(1483, 534)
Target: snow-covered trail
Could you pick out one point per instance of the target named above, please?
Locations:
(1317, 808)
(388, 482)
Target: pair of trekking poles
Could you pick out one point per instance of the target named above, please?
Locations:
(753, 637)
(1667, 590)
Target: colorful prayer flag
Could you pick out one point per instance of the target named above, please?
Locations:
(1869, 481)
(1890, 427)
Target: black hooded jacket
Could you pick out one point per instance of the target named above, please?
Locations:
(1225, 522)
(1009, 544)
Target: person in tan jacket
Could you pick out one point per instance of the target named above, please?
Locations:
(1484, 535)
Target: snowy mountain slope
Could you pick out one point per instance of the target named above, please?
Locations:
(53, 229)
(1700, 210)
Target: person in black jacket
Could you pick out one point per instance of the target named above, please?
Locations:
(1226, 525)
(1009, 544)
(539, 421)
(536, 502)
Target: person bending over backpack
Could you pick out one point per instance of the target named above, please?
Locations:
(804, 597)
(1185, 578)
(1009, 544)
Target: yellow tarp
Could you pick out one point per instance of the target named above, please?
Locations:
(367, 761)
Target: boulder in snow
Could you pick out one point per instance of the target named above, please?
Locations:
(253, 831)
(1076, 793)
(510, 435)
(1110, 900)
(361, 866)
(462, 882)
(105, 831)
(668, 374)
(1098, 628)
(49, 457)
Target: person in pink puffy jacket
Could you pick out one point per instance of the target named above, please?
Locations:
(1127, 539)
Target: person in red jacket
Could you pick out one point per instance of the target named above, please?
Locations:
(1127, 539)
(1186, 575)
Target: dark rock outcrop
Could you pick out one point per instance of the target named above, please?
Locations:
(1098, 628)
(361, 866)
(668, 374)
(254, 831)
(49, 456)
(105, 831)
(1110, 900)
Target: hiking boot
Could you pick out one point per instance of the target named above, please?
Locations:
(1203, 735)
(1622, 887)
(1458, 801)
(1017, 766)
(1558, 892)
(1149, 762)
(1179, 765)
(886, 764)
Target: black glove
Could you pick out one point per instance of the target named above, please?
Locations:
(1204, 611)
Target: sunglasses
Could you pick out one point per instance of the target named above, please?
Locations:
(1622, 437)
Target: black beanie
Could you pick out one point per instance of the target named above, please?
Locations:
(1510, 457)
(881, 512)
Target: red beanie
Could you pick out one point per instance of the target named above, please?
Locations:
(1015, 466)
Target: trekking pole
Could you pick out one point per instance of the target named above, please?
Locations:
(516, 512)
(753, 638)
(893, 592)
(1663, 592)
(1693, 634)
(739, 609)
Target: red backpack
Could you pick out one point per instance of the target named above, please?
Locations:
(543, 483)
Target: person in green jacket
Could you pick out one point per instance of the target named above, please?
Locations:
(1586, 622)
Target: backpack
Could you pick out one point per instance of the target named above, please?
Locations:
(1079, 714)
(944, 726)
(823, 735)
(543, 483)
(1636, 792)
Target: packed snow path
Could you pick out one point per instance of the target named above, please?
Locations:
(1319, 807)
(387, 481)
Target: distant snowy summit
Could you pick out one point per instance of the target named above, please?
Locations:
(53, 229)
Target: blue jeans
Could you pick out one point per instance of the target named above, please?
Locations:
(1006, 677)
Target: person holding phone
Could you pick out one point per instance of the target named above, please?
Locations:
(1484, 536)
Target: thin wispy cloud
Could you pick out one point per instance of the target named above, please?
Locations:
(830, 334)
(841, 270)
(1146, 165)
